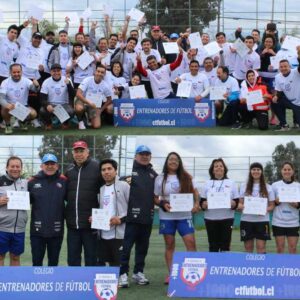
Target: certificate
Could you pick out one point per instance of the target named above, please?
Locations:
(137, 92)
(136, 14)
(181, 202)
(171, 47)
(61, 113)
(86, 14)
(254, 97)
(20, 111)
(241, 48)
(217, 92)
(95, 98)
(84, 60)
(275, 61)
(212, 48)
(195, 40)
(255, 206)
(107, 10)
(290, 43)
(289, 194)
(35, 12)
(184, 89)
(217, 200)
(18, 200)
(73, 16)
(33, 61)
(100, 219)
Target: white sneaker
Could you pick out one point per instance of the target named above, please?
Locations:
(36, 123)
(16, 124)
(123, 281)
(81, 125)
(140, 278)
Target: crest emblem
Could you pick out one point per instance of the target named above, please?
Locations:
(193, 271)
(201, 111)
(105, 286)
(127, 111)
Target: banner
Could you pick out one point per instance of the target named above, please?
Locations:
(235, 275)
(164, 113)
(67, 283)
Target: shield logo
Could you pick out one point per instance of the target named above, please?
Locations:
(57, 91)
(127, 111)
(193, 271)
(201, 111)
(105, 286)
(17, 93)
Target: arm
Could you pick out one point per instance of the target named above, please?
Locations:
(80, 28)
(177, 62)
(81, 97)
(238, 34)
(106, 104)
(108, 28)
(140, 67)
(92, 42)
(67, 24)
(125, 28)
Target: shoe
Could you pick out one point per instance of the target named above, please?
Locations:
(296, 126)
(123, 281)
(24, 126)
(36, 123)
(81, 125)
(140, 279)
(48, 127)
(167, 280)
(236, 125)
(8, 129)
(16, 124)
(64, 126)
(285, 127)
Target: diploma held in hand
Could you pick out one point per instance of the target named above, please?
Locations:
(181, 202)
(289, 194)
(18, 200)
(217, 200)
(100, 219)
(255, 206)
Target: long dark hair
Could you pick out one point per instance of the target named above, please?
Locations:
(112, 68)
(185, 179)
(74, 56)
(211, 168)
(292, 166)
(263, 192)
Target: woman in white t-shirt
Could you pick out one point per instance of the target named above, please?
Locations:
(255, 226)
(115, 79)
(175, 180)
(285, 221)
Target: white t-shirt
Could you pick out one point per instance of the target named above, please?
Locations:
(183, 68)
(108, 202)
(64, 57)
(8, 52)
(229, 57)
(289, 85)
(112, 81)
(46, 49)
(199, 83)
(225, 185)
(57, 91)
(231, 84)
(255, 193)
(129, 62)
(211, 75)
(16, 91)
(80, 74)
(284, 215)
(144, 57)
(171, 186)
(105, 61)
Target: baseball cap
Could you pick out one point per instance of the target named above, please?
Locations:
(174, 36)
(80, 144)
(271, 27)
(155, 28)
(56, 66)
(142, 148)
(37, 35)
(49, 157)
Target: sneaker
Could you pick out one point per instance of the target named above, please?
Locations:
(236, 125)
(36, 123)
(81, 125)
(285, 127)
(167, 280)
(24, 126)
(16, 124)
(140, 279)
(8, 129)
(123, 281)
(296, 126)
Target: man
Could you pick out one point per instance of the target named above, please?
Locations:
(209, 70)
(157, 42)
(83, 184)
(287, 92)
(139, 217)
(47, 195)
(56, 90)
(112, 43)
(16, 89)
(12, 222)
(92, 90)
(255, 33)
(114, 196)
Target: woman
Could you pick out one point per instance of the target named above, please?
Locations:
(219, 221)
(174, 180)
(256, 226)
(115, 79)
(285, 221)
(135, 80)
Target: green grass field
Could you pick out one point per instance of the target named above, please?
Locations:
(155, 266)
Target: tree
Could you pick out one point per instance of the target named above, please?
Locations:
(45, 26)
(100, 147)
(173, 15)
(281, 154)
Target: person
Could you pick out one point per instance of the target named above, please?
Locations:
(285, 221)
(255, 229)
(174, 180)
(47, 191)
(209, 70)
(139, 217)
(115, 79)
(219, 221)
(114, 196)
(56, 90)
(12, 222)
(135, 80)
(83, 184)
(16, 89)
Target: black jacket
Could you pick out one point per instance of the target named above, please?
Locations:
(141, 199)
(83, 188)
(47, 196)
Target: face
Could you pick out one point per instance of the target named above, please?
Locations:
(80, 155)
(143, 158)
(152, 64)
(256, 36)
(165, 38)
(77, 50)
(191, 53)
(134, 34)
(251, 77)
(221, 75)
(284, 68)
(113, 42)
(86, 40)
(16, 73)
(80, 39)
(268, 43)
(218, 169)
(287, 172)
(173, 163)
(208, 65)
(146, 46)
(49, 168)
(116, 69)
(155, 34)
(99, 74)
(221, 39)
(102, 45)
(50, 39)
(12, 34)
(36, 42)
(256, 173)
(271, 32)
(63, 38)
(194, 68)
(131, 45)
(14, 168)
(56, 74)
(205, 39)
(249, 43)
(108, 173)
(135, 80)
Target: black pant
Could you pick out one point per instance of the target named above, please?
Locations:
(280, 107)
(230, 114)
(261, 116)
(138, 234)
(38, 249)
(219, 234)
(148, 88)
(78, 238)
(109, 251)
(46, 116)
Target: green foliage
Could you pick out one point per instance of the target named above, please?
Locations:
(45, 26)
